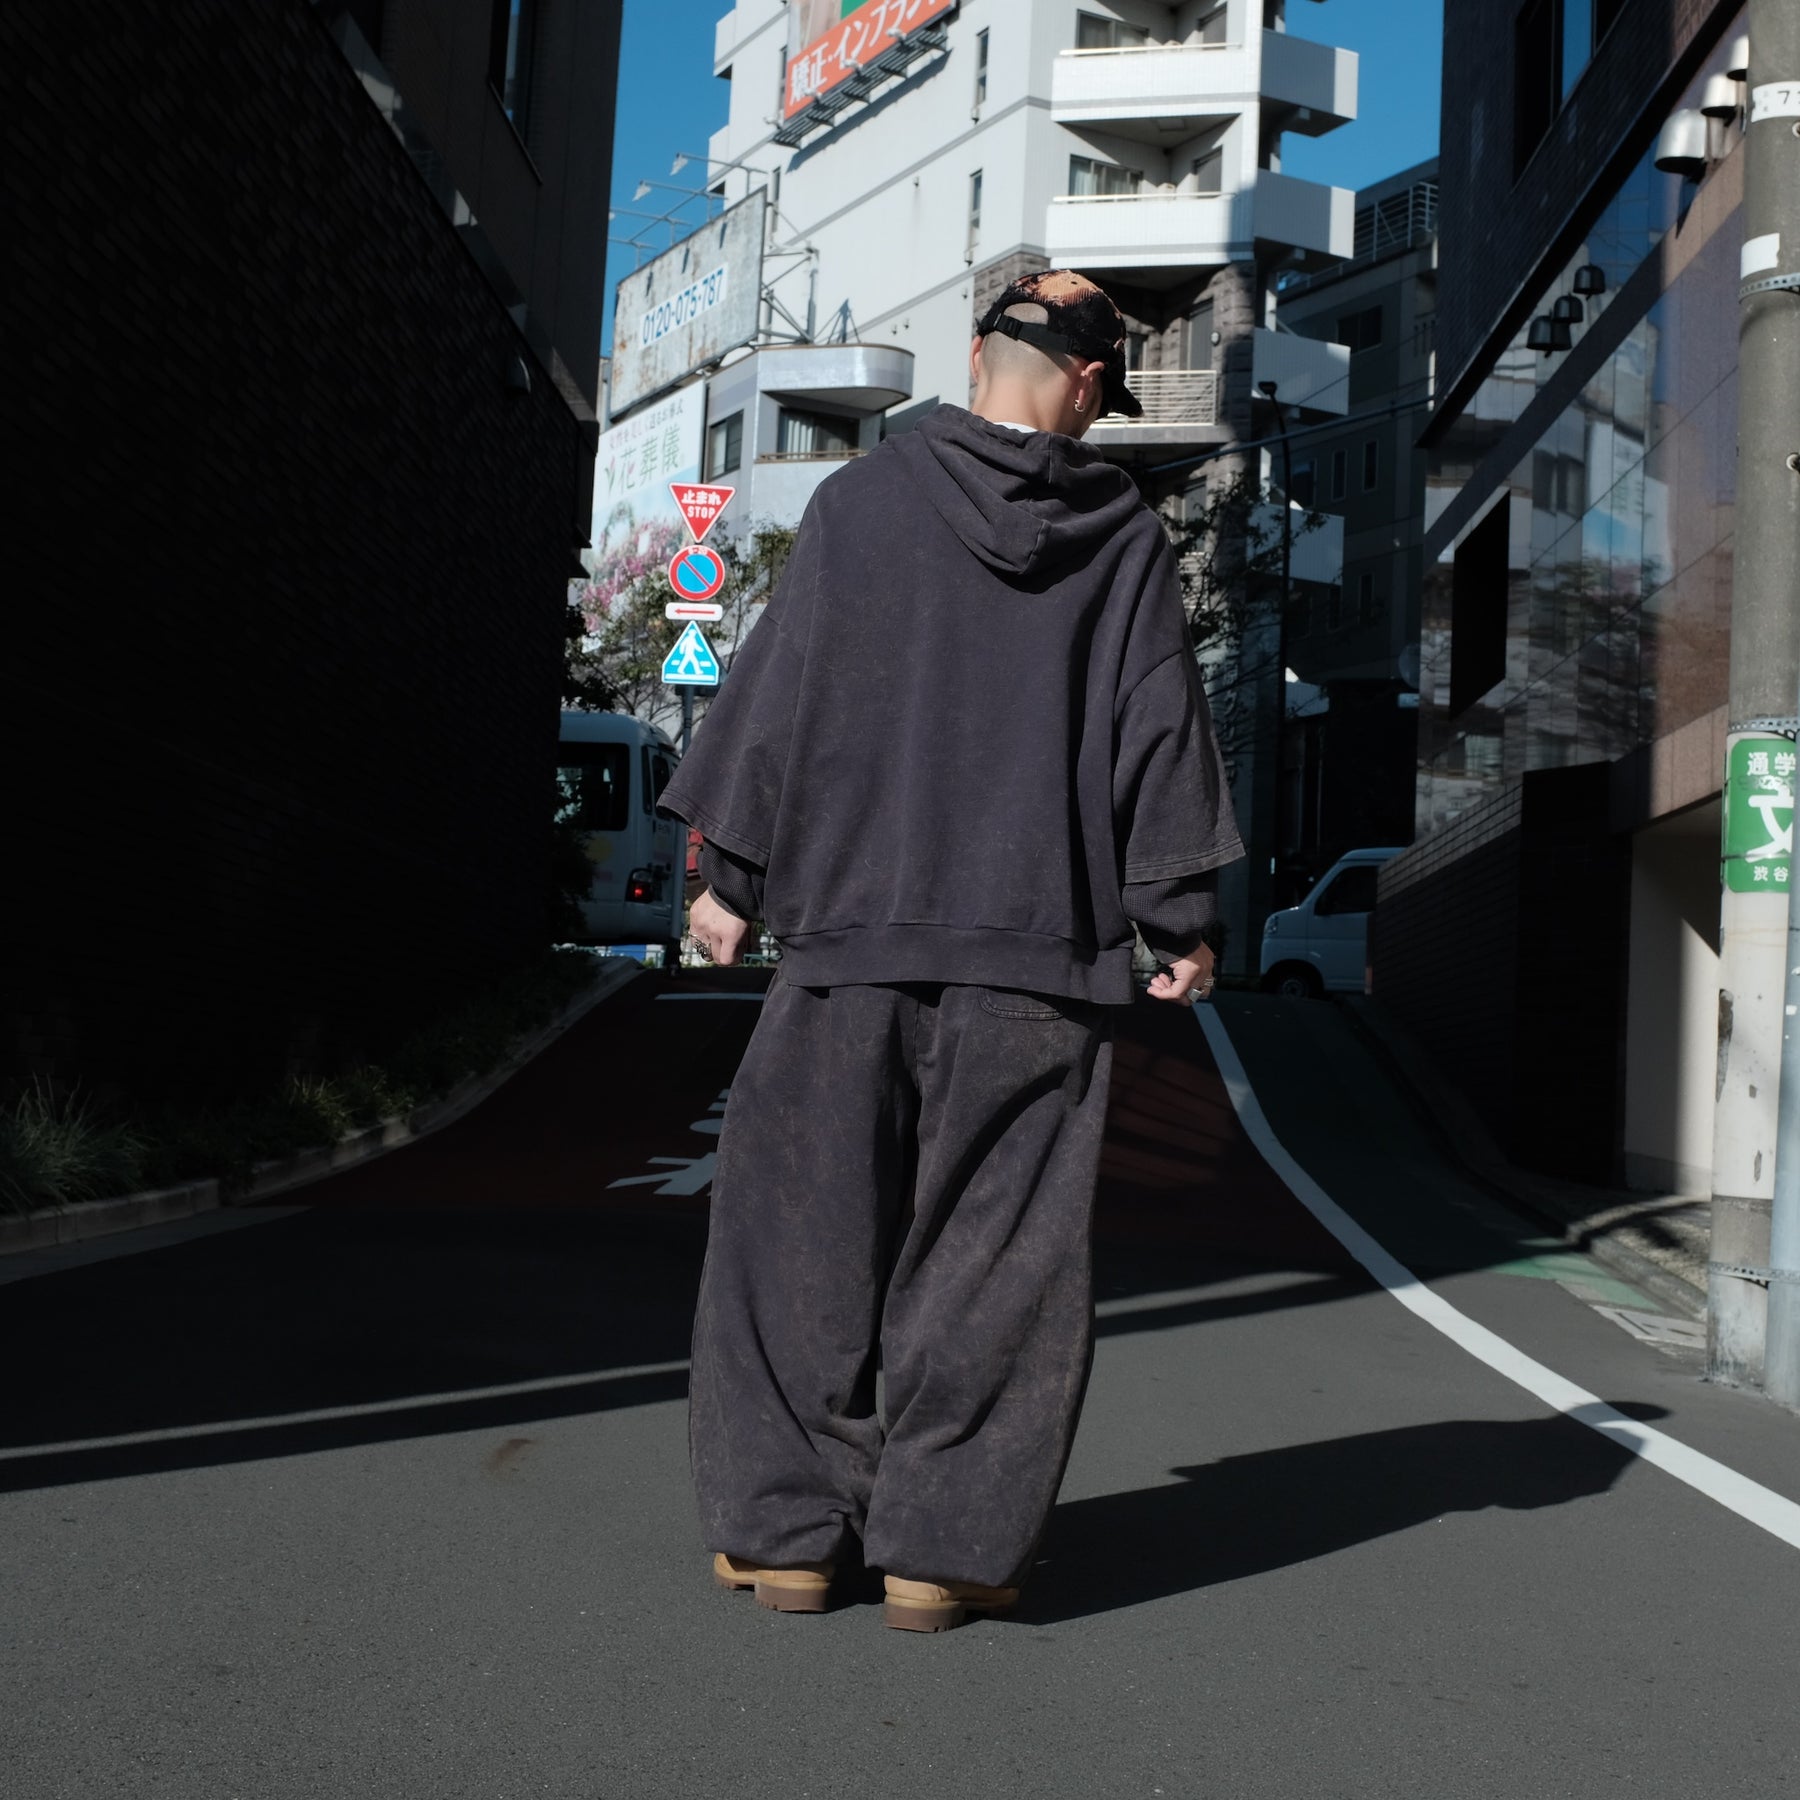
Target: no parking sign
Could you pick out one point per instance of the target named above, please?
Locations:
(697, 573)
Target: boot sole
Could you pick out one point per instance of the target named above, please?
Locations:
(779, 1599)
(932, 1615)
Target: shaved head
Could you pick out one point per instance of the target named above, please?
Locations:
(1006, 359)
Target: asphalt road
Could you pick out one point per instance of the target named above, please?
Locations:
(386, 1494)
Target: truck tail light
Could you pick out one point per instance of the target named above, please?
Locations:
(641, 886)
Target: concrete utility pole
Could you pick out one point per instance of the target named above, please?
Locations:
(1765, 674)
(1270, 391)
(1781, 1360)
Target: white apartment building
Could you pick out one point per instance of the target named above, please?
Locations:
(950, 149)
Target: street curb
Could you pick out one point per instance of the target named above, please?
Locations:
(58, 1226)
(1564, 1208)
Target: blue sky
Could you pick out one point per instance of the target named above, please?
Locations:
(669, 99)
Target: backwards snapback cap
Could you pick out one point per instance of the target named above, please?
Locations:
(1083, 322)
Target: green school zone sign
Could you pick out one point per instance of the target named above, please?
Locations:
(1759, 815)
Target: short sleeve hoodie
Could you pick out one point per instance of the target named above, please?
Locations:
(968, 718)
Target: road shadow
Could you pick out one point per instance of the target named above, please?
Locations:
(405, 1314)
(496, 1255)
(1249, 1515)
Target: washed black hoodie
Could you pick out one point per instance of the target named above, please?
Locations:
(968, 729)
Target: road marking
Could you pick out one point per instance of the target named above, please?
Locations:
(1738, 1493)
(676, 1175)
(325, 1415)
(1656, 1328)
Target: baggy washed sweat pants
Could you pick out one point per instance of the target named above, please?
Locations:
(906, 1175)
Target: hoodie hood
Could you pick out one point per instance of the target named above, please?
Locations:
(1022, 505)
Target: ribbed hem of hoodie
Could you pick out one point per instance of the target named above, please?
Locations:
(877, 956)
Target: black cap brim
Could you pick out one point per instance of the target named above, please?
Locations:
(1118, 397)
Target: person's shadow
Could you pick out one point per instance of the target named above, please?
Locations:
(1246, 1515)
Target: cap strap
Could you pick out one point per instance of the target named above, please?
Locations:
(1039, 336)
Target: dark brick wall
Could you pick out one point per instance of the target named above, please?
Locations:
(1495, 230)
(1444, 951)
(288, 563)
(1501, 941)
(1574, 941)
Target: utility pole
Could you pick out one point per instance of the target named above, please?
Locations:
(1761, 728)
(1781, 1359)
(1269, 390)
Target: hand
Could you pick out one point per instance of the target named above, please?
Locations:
(721, 933)
(1188, 978)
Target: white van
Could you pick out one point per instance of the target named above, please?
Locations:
(611, 769)
(1321, 946)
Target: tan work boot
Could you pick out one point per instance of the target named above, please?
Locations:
(806, 1587)
(938, 1605)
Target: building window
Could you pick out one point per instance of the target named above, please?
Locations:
(814, 434)
(1092, 32)
(1302, 484)
(1371, 464)
(1553, 43)
(981, 67)
(1534, 77)
(1478, 584)
(1199, 350)
(1340, 464)
(724, 446)
(1088, 178)
(974, 217)
(1212, 27)
(1136, 342)
(1334, 606)
(1360, 330)
(1365, 597)
(510, 49)
(1577, 42)
(1559, 484)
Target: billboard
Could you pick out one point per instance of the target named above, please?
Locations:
(690, 305)
(829, 40)
(637, 524)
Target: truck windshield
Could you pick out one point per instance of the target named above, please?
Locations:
(593, 786)
(1352, 892)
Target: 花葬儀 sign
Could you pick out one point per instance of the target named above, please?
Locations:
(1759, 815)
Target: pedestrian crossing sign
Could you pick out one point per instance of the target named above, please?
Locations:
(691, 663)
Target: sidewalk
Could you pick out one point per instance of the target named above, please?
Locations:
(1658, 1242)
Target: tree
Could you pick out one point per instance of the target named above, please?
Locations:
(1228, 549)
(618, 635)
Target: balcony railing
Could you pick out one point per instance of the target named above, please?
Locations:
(1174, 230)
(1137, 85)
(1173, 397)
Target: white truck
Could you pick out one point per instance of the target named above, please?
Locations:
(611, 770)
(1321, 946)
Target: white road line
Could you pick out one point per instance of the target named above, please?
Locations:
(325, 1415)
(1748, 1499)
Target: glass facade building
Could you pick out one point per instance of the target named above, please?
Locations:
(1552, 933)
(1603, 473)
